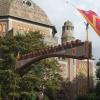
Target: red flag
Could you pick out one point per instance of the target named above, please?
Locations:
(92, 18)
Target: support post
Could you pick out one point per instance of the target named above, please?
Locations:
(0, 92)
(88, 72)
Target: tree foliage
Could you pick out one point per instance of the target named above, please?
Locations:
(41, 75)
(97, 90)
(98, 70)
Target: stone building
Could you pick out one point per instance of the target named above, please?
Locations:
(22, 16)
(75, 70)
(67, 32)
(68, 64)
(82, 73)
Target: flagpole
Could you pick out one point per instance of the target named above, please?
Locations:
(87, 39)
(77, 90)
(87, 34)
(71, 4)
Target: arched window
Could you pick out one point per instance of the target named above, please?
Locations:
(1, 28)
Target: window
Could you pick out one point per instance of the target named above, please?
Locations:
(28, 3)
(1, 28)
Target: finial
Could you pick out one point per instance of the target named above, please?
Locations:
(87, 25)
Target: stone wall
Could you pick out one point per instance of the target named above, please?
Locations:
(82, 80)
(27, 27)
(25, 10)
(3, 27)
(4, 7)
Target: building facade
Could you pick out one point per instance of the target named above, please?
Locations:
(68, 63)
(23, 16)
(74, 70)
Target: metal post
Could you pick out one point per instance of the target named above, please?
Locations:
(14, 88)
(0, 92)
(88, 76)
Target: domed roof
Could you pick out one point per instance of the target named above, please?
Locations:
(24, 9)
(68, 23)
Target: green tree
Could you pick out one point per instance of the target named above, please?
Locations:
(41, 75)
(98, 70)
(97, 90)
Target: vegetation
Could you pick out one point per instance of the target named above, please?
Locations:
(42, 76)
(97, 90)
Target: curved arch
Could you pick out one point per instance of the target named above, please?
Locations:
(36, 59)
(82, 51)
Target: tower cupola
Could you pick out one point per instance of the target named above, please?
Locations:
(67, 31)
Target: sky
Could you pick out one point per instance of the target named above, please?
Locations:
(59, 11)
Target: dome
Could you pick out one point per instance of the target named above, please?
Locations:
(68, 23)
(24, 9)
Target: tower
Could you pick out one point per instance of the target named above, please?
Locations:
(67, 31)
(68, 64)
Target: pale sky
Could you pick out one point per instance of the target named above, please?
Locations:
(59, 11)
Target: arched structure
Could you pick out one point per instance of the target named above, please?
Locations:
(74, 49)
